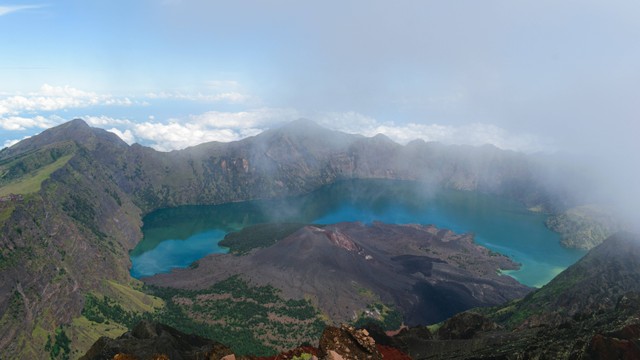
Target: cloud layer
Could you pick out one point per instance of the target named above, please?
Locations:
(54, 98)
(21, 113)
(8, 9)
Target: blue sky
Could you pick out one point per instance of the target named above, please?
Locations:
(523, 75)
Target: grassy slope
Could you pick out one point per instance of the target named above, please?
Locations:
(249, 319)
(31, 183)
(134, 300)
(84, 332)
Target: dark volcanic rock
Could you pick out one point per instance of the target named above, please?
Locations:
(621, 344)
(349, 343)
(593, 285)
(150, 340)
(426, 273)
(465, 325)
(381, 338)
(590, 311)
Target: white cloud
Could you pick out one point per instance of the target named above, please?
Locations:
(15, 123)
(262, 117)
(350, 122)
(468, 134)
(102, 121)
(127, 135)
(8, 9)
(174, 135)
(232, 126)
(9, 143)
(53, 98)
(211, 126)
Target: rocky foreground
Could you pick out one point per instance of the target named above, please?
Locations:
(590, 311)
(155, 341)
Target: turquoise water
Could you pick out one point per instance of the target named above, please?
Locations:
(175, 253)
(178, 236)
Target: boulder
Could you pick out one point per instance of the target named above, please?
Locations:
(465, 325)
(347, 343)
(153, 341)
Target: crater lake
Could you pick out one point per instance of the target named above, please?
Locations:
(176, 237)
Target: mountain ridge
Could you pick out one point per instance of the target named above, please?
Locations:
(69, 233)
(589, 311)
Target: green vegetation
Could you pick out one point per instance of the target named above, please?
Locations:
(12, 257)
(584, 227)
(249, 319)
(303, 356)
(105, 309)
(31, 182)
(6, 211)
(58, 347)
(258, 236)
(364, 291)
(82, 210)
(386, 316)
(132, 299)
(15, 167)
(85, 332)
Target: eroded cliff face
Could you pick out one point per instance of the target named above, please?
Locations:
(71, 233)
(302, 156)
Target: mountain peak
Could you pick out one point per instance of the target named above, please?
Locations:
(76, 130)
(75, 123)
(302, 124)
(382, 138)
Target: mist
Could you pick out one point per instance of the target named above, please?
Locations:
(565, 73)
(534, 76)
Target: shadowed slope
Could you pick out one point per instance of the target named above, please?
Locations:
(428, 274)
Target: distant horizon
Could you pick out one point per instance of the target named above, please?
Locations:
(530, 76)
(227, 127)
(273, 127)
(169, 74)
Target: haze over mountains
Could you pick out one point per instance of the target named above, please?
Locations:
(73, 198)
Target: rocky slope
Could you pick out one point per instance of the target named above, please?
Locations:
(590, 311)
(153, 341)
(296, 158)
(67, 236)
(72, 199)
(149, 340)
(585, 227)
(426, 273)
(593, 284)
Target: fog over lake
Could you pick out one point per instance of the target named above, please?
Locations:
(176, 237)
